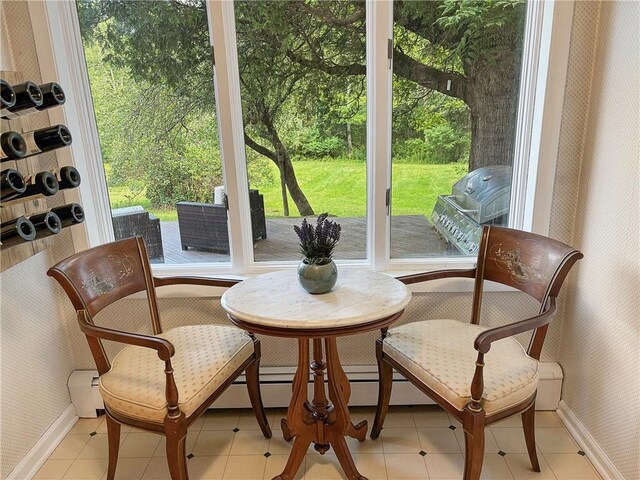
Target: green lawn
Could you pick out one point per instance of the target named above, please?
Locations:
(338, 187)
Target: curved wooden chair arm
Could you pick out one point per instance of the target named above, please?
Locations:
(483, 341)
(437, 274)
(165, 348)
(209, 282)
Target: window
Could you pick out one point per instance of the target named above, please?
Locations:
(327, 113)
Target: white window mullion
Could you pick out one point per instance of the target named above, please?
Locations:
(230, 127)
(379, 110)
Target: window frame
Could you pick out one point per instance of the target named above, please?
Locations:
(545, 60)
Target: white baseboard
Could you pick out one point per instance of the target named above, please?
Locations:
(276, 388)
(46, 444)
(588, 444)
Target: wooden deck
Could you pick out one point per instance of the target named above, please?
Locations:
(411, 236)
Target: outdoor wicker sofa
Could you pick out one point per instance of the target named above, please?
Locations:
(136, 221)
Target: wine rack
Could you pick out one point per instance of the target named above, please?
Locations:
(29, 167)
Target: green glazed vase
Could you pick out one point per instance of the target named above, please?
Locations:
(317, 278)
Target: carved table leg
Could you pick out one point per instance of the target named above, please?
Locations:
(319, 421)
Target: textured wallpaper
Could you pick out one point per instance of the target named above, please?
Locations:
(34, 343)
(600, 350)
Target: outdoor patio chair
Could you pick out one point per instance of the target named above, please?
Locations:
(204, 225)
(136, 221)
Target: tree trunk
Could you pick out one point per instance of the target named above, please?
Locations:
(492, 96)
(286, 169)
(349, 140)
(283, 190)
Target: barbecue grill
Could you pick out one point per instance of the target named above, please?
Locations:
(479, 198)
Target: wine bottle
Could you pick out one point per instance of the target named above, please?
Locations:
(11, 184)
(7, 97)
(12, 146)
(70, 214)
(46, 224)
(52, 95)
(16, 231)
(44, 184)
(68, 177)
(28, 99)
(47, 139)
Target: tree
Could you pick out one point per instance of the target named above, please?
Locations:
(471, 50)
(166, 43)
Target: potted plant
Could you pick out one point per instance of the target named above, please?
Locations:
(317, 271)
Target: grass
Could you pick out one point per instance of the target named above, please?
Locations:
(337, 187)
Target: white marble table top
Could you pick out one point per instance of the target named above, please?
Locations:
(276, 299)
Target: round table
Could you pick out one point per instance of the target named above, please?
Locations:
(275, 304)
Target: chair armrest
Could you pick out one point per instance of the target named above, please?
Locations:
(483, 341)
(164, 347)
(436, 274)
(209, 282)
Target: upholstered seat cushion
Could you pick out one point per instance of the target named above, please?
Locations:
(440, 353)
(205, 356)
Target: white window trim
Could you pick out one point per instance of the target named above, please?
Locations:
(540, 110)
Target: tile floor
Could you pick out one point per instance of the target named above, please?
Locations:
(422, 442)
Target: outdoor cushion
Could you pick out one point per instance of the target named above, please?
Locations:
(205, 356)
(441, 354)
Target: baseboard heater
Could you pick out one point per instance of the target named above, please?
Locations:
(276, 389)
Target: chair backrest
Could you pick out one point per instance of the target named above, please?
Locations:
(99, 276)
(531, 263)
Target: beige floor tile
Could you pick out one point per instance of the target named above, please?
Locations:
(405, 467)
(87, 469)
(130, 468)
(53, 469)
(454, 421)
(399, 417)
(494, 467)
(445, 466)
(430, 416)
(520, 467)
(207, 467)
(514, 421)
(98, 446)
(570, 466)
(555, 440)
(139, 445)
(322, 467)
(277, 445)
(490, 445)
(249, 442)
(362, 413)
(275, 465)
(510, 440)
(367, 447)
(213, 443)
(221, 420)
(161, 449)
(548, 419)
(438, 440)
(400, 440)
(197, 424)
(102, 428)
(70, 447)
(158, 469)
(87, 425)
(371, 466)
(245, 467)
(247, 419)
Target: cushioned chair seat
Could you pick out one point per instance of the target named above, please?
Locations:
(205, 356)
(441, 354)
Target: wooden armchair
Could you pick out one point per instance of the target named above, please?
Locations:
(161, 382)
(446, 358)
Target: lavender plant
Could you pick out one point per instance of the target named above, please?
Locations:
(317, 243)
